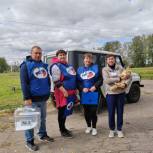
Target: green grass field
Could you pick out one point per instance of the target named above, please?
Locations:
(146, 72)
(10, 99)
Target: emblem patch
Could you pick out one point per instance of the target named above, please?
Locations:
(70, 106)
(40, 73)
(71, 70)
(87, 75)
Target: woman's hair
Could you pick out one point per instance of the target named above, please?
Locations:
(61, 51)
(110, 55)
(89, 55)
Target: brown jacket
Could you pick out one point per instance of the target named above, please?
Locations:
(111, 76)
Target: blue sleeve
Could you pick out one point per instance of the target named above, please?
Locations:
(25, 83)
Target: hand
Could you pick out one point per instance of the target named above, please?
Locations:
(122, 85)
(92, 89)
(76, 104)
(118, 79)
(65, 93)
(85, 89)
(28, 102)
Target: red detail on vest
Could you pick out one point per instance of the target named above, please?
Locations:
(60, 99)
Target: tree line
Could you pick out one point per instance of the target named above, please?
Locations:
(4, 67)
(137, 53)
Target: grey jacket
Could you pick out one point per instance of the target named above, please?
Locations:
(110, 77)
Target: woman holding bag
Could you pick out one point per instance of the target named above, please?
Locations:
(89, 82)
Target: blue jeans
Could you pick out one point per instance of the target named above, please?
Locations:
(29, 134)
(115, 102)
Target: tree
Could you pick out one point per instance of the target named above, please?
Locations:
(137, 52)
(3, 65)
(150, 50)
(113, 46)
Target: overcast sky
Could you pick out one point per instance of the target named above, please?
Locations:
(54, 24)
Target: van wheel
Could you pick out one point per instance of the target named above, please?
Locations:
(134, 94)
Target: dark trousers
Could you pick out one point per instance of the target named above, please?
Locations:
(61, 119)
(90, 114)
(115, 102)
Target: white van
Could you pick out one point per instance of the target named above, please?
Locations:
(75, 58)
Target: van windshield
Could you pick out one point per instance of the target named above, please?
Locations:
(75, 58)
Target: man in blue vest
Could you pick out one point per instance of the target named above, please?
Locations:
(35, 86)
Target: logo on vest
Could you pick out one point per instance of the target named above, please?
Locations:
(87, 75)
(70, 106)
(40, 73)
(71, 70)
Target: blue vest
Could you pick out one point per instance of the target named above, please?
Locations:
(69, 74)
(70, 105)
(38, 76)
(88, 75)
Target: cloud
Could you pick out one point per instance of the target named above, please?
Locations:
(54, 24)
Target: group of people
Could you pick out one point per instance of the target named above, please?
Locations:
(35, 83)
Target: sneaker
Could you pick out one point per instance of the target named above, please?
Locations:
(68, 131)
(120, 134)
(111, 134)
(88, 130)
(31, 146)
(66, 134)
(46, 139)
(94, 132)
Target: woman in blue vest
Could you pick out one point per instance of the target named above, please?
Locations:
(89, 82)
(64, 78)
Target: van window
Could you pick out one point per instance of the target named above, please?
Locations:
(118, 61)
(76, 58)
(81, 58)
(102, 60)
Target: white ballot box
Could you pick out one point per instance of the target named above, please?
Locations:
(26, 118)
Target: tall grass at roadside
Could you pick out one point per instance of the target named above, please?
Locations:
(10, 91)
(146, 73)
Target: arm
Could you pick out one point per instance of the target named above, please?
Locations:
(49, 79)
(128, 81)
(107, 79)
(56, 75)
(79, 83)
(99, 81)
(24, 78)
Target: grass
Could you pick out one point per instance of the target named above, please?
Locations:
(9, 98)
(146, 73)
